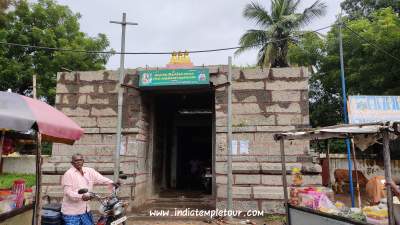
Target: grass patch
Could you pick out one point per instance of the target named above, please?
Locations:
(7, 179)
(275, 218)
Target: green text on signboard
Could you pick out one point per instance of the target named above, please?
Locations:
(176, 77)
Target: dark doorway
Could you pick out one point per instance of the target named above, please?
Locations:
(194, 156)
(182, 150)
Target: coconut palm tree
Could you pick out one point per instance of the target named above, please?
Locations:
(276, 29)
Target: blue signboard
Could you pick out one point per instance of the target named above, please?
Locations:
(366, 109)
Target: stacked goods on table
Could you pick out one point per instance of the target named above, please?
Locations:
(306, 196)
(309, 195)
(16, 197)
(322, 199)
(7, 201)
(376, 214)
(297, 177)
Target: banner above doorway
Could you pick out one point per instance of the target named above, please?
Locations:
(174, 77)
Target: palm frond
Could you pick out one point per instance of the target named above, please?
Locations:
(257, 12)
(293, 5)
(276, 7)
(283, 7)
(276, 29)
(266, 55)
(317, 9)
(261, 56)
(270, 54)
(252, 39)
(290, 22)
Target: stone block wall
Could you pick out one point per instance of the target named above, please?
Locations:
(90, 99)
(264, 102)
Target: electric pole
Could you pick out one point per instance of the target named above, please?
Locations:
(120, 93)
(34, 86)
(229, 138)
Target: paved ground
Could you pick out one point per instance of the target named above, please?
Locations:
(196, 222)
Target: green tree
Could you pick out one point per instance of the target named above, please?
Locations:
(364, 8)
(308, 50)
(276, 29)
(44, 23)
(4, 5)
(368, 70)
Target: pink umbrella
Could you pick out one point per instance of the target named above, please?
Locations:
(21, 113)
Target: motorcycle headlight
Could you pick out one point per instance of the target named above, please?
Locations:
(118, 209)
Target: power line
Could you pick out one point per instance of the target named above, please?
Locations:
(55, 49)
(369, 42)
(151, 53)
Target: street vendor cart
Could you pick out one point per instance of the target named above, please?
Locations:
(22, 117)
(296, 214)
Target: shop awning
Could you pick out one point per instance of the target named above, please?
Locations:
(339, 131)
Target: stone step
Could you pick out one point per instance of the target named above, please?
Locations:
(192, 205)
(174, 200)
(137, 216)
(171, 205)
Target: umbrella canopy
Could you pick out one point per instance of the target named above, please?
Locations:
(21, 113)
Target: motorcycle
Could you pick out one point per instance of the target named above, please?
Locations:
(112, 209)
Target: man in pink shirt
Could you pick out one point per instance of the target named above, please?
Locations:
(75, 207)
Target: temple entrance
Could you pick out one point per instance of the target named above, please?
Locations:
(182, 143)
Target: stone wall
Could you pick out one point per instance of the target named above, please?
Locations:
(264, 102)
(20, 164)
(90, 99)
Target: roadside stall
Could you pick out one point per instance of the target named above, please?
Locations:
(311, 205)
(29, 120)
(16, 195)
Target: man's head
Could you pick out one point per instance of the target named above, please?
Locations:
(77, 161)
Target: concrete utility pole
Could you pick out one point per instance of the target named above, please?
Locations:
(34, 86)
(120, 93)
(229, 138)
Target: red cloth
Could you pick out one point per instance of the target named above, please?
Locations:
(8, 146)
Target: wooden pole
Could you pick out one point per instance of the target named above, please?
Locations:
(284, 180)
(328, 158)
(388, 175)
(38, 205)
(3, 133)
(355, 168)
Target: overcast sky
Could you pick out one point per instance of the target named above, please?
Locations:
(173, 25)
